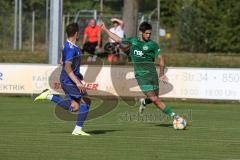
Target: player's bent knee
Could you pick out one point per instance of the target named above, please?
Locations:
(75, 106)
(86, 100)
(154, 99)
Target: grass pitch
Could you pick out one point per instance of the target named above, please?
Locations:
(32, 131)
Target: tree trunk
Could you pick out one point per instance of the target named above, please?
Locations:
(130, 17)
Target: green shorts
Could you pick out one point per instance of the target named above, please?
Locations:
(148, 83)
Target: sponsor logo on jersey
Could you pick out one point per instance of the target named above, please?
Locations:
(138, 53)
(145, 47)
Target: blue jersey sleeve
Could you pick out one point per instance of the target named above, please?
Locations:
(69, 54)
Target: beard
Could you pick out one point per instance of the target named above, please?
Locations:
(145, 39)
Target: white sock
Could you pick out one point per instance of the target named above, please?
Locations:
(173, 114)
(49, 97)
(78, 128)
(144, 103)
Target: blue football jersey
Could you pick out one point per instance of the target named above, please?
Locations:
(72, 53)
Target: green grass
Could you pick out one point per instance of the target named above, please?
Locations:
(172, 59)
(32, 131)
(23, 57)
(211, 60)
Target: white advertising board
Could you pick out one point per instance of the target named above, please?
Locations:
(193, 83)
(204, 83)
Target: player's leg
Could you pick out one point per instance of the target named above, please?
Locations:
(156, 100)
(64, 103)
(147, 83)
(77, 106)
(143, 102)
(73, 103)
(88, 48)
(146, 101)
(81, 116)
(94, 45)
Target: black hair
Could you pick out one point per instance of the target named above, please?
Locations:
(145, 26)
(115, 22)
(72, 29)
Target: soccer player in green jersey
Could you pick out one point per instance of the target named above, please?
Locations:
(143, 52)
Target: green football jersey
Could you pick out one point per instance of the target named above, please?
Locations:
(143, 55)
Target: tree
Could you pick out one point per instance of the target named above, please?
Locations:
(210, 26)
(130, 17)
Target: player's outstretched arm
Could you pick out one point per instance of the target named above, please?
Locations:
(115, 37)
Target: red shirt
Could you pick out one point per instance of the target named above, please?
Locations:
(92, 33)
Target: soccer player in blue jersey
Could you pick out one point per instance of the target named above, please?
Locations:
(71, 81)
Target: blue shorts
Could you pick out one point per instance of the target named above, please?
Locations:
(72, 92)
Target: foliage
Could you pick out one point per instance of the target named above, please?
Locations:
(195, 25)
(210, 26)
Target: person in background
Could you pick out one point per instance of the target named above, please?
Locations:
(91, 39)
(112, 46)
(116, 29)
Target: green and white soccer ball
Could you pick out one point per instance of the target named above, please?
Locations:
(179, 123)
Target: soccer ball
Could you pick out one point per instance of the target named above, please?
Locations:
(179, 123)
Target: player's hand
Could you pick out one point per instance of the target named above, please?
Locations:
(102, 25)
(81, 87)
(163, 78)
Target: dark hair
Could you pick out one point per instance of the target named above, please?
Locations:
(145, 26)
(115, 22)
(72, 29)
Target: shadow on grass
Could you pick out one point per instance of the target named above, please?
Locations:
(101, 131)
(61, 132)
(90, 132)
(164, 125)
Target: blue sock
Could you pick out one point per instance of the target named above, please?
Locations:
(82, 114)
(65, 104)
